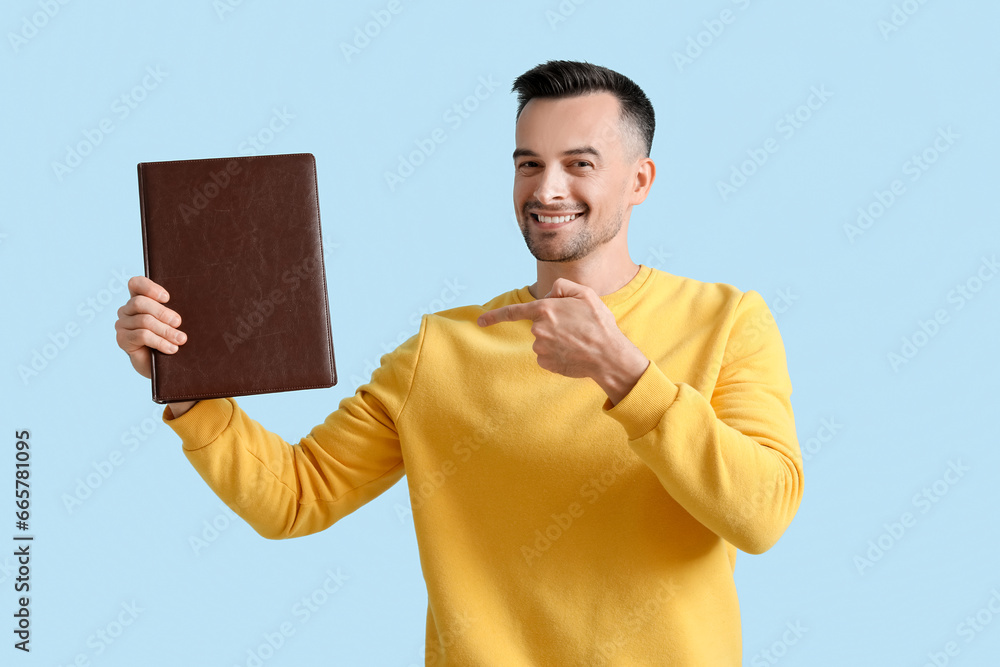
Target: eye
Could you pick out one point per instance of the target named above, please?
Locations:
(582, 163)
(528, 164)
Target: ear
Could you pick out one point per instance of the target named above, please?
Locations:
(645, 174)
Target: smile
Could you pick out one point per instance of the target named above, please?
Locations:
(555, 219)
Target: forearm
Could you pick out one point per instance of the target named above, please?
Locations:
(243, 463)
(284, 490)
(744, 489)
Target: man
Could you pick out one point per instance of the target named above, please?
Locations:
(584, 455)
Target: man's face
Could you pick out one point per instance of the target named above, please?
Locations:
(570, 160)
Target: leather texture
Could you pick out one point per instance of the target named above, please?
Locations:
(237, 244)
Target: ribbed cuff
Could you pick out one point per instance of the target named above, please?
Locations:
(643, 407)
(203, 423)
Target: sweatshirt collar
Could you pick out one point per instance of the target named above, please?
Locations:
(623, 294)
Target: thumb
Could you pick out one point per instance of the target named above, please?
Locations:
(562, 287)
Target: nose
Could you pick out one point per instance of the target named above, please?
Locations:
(552, 185)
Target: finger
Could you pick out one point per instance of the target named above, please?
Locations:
(150, 323)
(134, 340)
(143, 286)
(517, 311)
(564, 287)
(146, 322)
(140, 304)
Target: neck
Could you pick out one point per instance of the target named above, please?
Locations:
(603, 275)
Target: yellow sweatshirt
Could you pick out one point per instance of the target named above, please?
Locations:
(553, 529)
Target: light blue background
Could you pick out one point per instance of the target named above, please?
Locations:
(390, 252)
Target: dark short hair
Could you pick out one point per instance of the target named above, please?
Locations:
(569, 78)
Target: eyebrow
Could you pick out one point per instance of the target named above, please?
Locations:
(583, 150)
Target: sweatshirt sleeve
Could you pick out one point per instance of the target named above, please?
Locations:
(733, 462)
(284, 490)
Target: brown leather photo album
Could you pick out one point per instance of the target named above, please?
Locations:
(237, 244)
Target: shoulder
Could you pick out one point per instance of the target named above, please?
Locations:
(460, 320)
(695, 296)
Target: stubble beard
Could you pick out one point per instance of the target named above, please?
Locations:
(542, 246)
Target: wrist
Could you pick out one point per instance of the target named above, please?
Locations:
(621, 372)
(180, 407)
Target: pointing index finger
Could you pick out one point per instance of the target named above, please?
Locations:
(511, 313)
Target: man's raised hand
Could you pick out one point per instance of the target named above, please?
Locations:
(144, 323)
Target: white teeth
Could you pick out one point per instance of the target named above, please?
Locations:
(562, 218)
